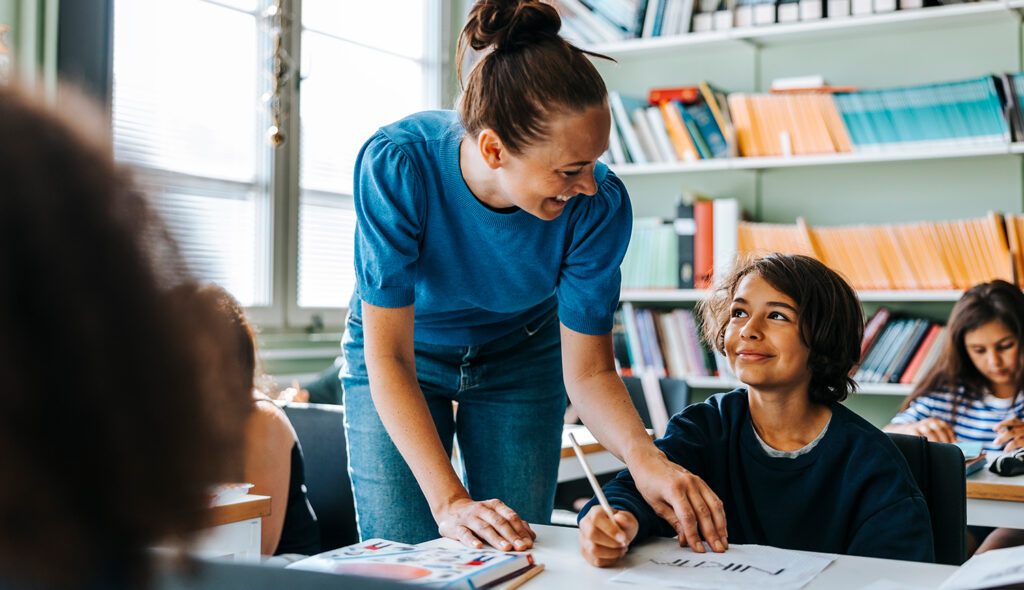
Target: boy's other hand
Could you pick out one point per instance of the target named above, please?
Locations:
(601, 543)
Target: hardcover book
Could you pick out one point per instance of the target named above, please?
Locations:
(430, 566)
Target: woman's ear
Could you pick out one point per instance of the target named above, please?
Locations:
(492, 149)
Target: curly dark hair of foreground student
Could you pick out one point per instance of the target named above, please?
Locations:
(116, 413)
(831, 318)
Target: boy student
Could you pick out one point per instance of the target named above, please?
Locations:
(792, 466)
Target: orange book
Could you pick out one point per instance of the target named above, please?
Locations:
(1013, 241)
(834, 122)
(703, 244)
(999, 246)
(742, 123)
(682, 143)
(922, 351)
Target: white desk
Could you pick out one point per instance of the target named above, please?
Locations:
(994, 500)
(234, 529)
(558, 549)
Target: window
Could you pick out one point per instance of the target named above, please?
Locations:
(189, 112)
(364, 64)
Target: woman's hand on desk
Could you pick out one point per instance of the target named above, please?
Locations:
(1010, 434)
(685, 501)
(491, 521)
(602, 542)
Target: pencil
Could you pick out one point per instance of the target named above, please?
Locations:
(593, 480)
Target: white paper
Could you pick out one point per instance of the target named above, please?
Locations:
(892, 585)
(742, 566)
(997, 567)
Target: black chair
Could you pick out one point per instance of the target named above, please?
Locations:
(938, 469)
(321, 432)
(675, 392)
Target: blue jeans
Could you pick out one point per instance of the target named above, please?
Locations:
(511, 406)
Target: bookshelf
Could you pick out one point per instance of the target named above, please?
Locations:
(694, 295)
(924, 46)
(931, 18)
(765, 163)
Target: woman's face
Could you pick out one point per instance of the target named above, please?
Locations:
(994, 351)
(543, 178)
(762, 338)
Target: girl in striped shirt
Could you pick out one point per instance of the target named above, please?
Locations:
(975, 391)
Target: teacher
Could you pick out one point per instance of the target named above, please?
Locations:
(487, 257)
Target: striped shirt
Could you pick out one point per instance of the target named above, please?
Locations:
(976, 419)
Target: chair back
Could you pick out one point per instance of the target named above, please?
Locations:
(321, 432)
(675, 392)
(938, 469)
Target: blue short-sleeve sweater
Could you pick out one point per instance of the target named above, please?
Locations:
(475, 274)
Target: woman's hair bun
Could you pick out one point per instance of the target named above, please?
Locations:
(510, 24)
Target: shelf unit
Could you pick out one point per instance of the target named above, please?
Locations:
(694, 295)
(900, 21)
(765, 163)
(903, 185)
(729, 383)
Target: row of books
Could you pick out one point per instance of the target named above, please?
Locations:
(690, 123)
(591, 22)
(683, 253)
(898, 349)
(665, 343)
(924, 255)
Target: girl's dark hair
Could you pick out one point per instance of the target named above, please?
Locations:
(528, 73)
(983, 303)
(117, 414)
(830, 316)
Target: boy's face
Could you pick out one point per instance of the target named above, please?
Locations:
(762, 339)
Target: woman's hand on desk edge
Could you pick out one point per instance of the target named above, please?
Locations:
(603, 543)
(684, 500)
(1010, 434)
(470, 522)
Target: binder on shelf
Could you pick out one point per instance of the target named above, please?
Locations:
(812, 9)
(881, 6)
(861, 7)
(686, 230)
(788, 11)
(703, 243)
(837, 8)
(764, 12)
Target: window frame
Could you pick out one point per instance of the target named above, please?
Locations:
(438, 18)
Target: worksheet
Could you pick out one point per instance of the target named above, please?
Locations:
(742, 566)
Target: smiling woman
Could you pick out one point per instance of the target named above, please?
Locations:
(487, 257)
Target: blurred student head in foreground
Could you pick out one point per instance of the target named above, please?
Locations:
(118, 411)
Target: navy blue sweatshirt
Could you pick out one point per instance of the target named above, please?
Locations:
(852, 493)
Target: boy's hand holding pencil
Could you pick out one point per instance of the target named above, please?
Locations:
(604, 540)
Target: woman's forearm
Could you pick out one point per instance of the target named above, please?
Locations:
(391, 366)
(407, 419)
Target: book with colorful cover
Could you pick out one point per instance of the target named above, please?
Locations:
(430, 566)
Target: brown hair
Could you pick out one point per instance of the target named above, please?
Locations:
(115, 417)
(529, 72)
(983, 303)
(830, 316)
